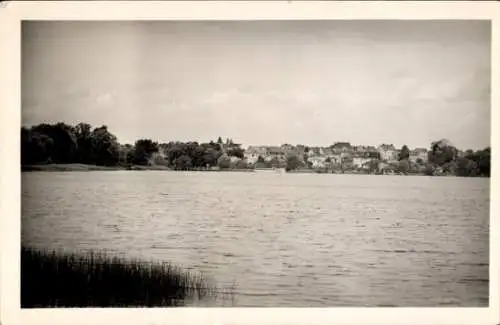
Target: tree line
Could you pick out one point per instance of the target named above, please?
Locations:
(470, 163)
(61, 143)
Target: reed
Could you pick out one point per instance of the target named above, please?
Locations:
(53, 279)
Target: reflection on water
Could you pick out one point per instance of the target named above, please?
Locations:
(292, 240)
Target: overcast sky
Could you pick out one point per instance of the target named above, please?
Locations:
(314, 83)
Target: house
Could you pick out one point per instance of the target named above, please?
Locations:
(318, 161)
(318, 151)
(359, 160)
(158, 159)
(253, 152)
(342, 147)
(346, 156)
(229, 146)
(335, 158)
(368, 165)
(419, 155)
(359, 149)
(274, 152)
(328, 152)
(256, 150)
(251, 159)
(387, 152)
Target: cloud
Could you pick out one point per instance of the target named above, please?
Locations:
(105, 99)
(312, 82)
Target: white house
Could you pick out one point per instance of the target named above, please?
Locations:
(253, 152)
(335, 158)
(358, 162)
(317, 161)
(387, 152)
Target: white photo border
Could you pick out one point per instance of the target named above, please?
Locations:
(11, 15)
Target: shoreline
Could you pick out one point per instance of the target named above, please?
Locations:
(89, 168)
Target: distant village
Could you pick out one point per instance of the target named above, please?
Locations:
(339, 157)
(60, 143)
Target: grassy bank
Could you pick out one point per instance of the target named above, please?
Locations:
(51, 279)
(84, 167)
(67, 167)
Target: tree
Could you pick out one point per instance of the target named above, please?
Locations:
(125, 154)
(241, 164)
(442, 152)
(236, 152)
(64, 141)
(403, 166)
(305, 158)
(450, 167)
(210, 156)
(224, 162)
(273, 163)
(104, 147)
(405, 153)
(144, 148)
(199, 156)
(373, 165)
(83, 133)
(429, 170)
(482, 158)
(36, 148)
(484, 162)
(293, 162)
(466, 167)
(184, 162)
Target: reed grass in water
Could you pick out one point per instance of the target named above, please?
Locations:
(52, 279)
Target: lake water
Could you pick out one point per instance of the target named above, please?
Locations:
(283, 240)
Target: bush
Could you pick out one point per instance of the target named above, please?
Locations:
(293, 162)
(224, 162)
(429, 170)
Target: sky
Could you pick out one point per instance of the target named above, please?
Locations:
(263, 82)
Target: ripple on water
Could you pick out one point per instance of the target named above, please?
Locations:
(287, 240)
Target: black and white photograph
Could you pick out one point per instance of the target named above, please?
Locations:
(255, 164)
(222, 164)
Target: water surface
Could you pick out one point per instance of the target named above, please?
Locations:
(282, 240)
